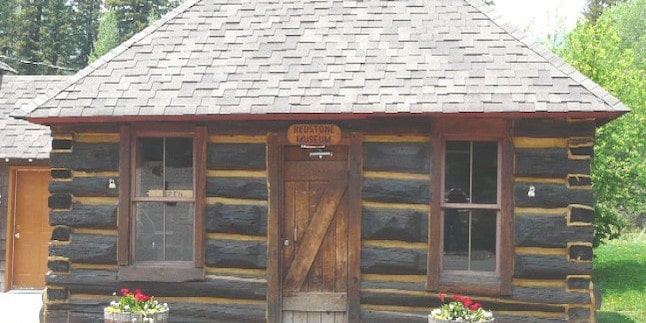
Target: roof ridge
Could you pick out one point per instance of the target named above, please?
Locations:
(104, 59)
(545, 53)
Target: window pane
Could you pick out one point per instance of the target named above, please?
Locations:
(471, 174)
(179, 167)
(179, 231)
(456, 239)
(470, 240)
(164, 231)
(149, 227)
(458, 171)
(485, 172)
(483, 240)
(149, 171)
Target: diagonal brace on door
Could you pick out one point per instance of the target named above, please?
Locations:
(313, 238)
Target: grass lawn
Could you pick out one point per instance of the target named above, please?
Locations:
(620, 273)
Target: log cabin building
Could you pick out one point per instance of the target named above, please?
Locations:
(338, 161)
(24, 180)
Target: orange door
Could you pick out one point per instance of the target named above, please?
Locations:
(31, 231)
(315, 236)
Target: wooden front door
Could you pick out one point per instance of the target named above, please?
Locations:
(314, 234)
(30, 230)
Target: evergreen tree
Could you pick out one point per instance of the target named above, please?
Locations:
(134, 15)
(26, 37)
(86, 20)
(57, 43)
(8, 9)
(108, 35)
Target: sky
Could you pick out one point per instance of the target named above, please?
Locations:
(541, 17)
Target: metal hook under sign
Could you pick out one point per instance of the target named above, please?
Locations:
(321, 154)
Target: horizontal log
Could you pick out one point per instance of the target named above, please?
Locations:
(549, 267)
(580, 253)
(579, 181)
(582, 151)
(56, 293)
(578, 283)
(398, 157)
(375, 260)
(91, 311)
(195, 312)
(61, 173)
(388, 317)
(549, 295)
(550, 195)
(86, 216)
(238, 219)
(236, 254)
(579, 314)
(237, 187)
(553, 128)
(409, 286)
(88, 157)
(581, 214)
(87, 248)
(396, 191)
(85, 186)
(61, 266)
(394, 224)
(548, 231)
(86, 281)
(236, 156)
(61, 144)
(59, 201)
(524, 317)
(61, 233)
(552, 162)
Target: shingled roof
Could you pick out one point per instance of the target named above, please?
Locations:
(216, 57)
(19, 138)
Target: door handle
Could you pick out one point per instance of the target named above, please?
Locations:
(17, 235)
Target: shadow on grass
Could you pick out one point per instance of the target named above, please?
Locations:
(612, 317)
(620, 275)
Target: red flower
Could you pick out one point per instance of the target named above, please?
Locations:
(457, 297)
(475, 306)
(441, 296)
(124, 291)
(467, 301)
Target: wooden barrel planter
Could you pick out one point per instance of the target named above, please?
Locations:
(121, 317)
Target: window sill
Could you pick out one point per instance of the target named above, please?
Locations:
(470, 284)
(142, 273)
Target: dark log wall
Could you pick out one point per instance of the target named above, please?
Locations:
(395, 214)
(84, 211)
(553, 229)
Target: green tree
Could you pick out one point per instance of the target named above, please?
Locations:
(26, 36)
(605, 52)
(57, 43)
(108, 35)
(594, 8)
(8, 10)
(86, 18)
(135, 15)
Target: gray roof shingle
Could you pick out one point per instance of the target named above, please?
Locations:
(19, 138)
(210, 57)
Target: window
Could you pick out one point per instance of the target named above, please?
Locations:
(470, 244)
(470, 208)
(163, 205)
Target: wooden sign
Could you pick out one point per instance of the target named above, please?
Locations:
(314, 134)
